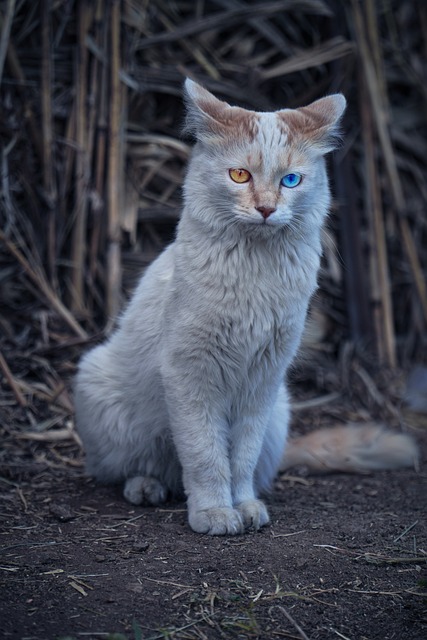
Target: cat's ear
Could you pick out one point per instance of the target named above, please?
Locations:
(208, 118)
(318, 123)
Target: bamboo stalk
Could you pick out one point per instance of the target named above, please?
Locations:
(378, 260)
(382, 310)
(100, 143)
(375, 47)
(79, 229)
(93, 85)
(47, 138)
(64, 185)
(114, 169)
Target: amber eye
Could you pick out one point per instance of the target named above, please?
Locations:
(240, 175)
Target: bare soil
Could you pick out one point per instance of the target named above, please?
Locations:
(344, 557)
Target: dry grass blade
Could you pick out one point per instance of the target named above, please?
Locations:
(326, 52)
(44, 287)
(293, 622)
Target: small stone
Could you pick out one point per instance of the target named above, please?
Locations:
(61, 512)
(100, 559)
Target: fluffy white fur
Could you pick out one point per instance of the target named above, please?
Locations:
(189, 393)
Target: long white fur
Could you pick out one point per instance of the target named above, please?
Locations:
(189, 392)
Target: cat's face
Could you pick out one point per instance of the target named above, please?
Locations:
(264, 169)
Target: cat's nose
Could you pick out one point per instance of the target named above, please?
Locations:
(266, 211)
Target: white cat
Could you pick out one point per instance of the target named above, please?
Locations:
(189, 393)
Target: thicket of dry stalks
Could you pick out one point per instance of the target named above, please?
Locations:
(92, 158)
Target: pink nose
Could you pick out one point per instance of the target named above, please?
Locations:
(266, 211)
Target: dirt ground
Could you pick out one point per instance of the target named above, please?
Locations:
(344, 557)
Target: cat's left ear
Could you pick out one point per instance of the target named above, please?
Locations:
(319, 122)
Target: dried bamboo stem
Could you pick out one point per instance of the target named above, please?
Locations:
(114, 168)
(382, 310)
(69, 154)
(375, 46)
(100, 143)
(47, 139)
(79, 228)
(379, 271)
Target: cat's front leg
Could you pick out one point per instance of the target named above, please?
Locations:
(200, 436)
(207, 481)
(203, 452)
(246, 444)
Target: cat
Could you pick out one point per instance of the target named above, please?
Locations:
(188, 396)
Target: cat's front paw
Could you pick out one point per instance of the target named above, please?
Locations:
(144, 489)
(254, 514)
(219, 521)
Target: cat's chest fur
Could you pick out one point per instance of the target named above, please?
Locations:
(242, 300)
(249, 276)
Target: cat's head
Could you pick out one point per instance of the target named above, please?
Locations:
(263, 169)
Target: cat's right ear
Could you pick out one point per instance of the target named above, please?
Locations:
(209, 119)
(204, 111)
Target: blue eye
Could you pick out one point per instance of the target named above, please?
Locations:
(291, 180)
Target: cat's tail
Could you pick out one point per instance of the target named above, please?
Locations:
(351, 448)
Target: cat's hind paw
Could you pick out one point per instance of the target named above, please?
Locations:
(219, 521)
(144, 490)
(254, 514)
